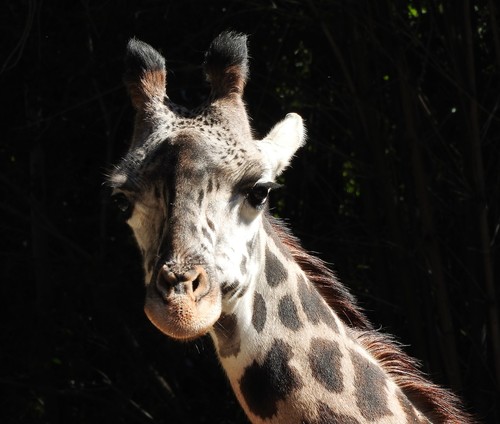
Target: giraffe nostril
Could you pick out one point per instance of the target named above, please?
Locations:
(196, 283)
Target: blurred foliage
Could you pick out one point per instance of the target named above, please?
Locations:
(398, 186)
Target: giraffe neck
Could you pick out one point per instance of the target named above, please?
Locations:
(290, 359)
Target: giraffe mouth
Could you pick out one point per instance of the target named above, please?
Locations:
(183, 306)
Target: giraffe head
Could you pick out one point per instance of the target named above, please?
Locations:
(194, 184)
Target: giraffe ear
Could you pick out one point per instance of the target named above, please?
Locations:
(283, 141)
(145, 75)
(226, 64)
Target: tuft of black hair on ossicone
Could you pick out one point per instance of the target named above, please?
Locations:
(226, 62)
(227, 49)
(140, 57)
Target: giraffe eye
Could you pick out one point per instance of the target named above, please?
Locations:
(257, 196)
(123, 204)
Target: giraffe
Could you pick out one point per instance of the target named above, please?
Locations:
(194, 187)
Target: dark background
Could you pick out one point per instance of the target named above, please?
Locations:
(398, 187)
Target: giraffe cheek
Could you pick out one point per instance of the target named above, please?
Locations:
(182, 316)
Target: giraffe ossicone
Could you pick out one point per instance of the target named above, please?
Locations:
(194, 184)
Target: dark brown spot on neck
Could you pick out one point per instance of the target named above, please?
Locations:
(259, 314)
(228, 335)
(274, 269)
(287, 311)
(371, 388)
(313, 304)
(324, 360)
(263, 385)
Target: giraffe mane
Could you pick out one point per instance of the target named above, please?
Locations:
(434, 401)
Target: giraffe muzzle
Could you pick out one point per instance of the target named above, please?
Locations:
(182, 301)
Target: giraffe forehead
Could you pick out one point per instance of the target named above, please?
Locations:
(209, 151)
(191, 155)
(215, 167)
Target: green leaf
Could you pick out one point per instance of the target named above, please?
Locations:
(412, 11)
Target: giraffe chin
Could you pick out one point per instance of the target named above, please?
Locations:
(182, 317)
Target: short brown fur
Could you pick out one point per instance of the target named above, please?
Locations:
(150, 87)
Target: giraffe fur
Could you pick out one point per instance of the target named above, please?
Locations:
(293, 343)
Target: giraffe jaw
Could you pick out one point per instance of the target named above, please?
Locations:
(182, 316)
